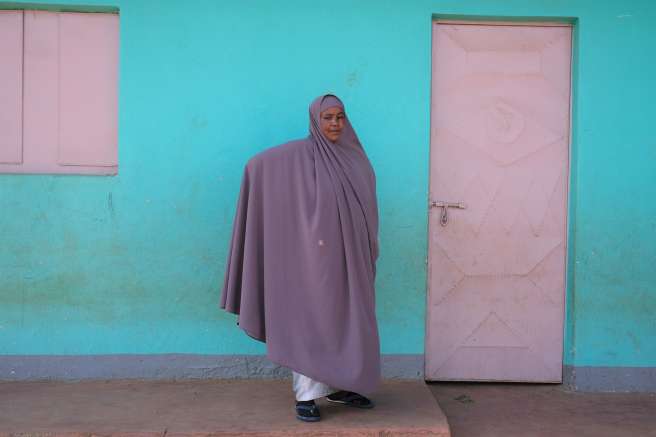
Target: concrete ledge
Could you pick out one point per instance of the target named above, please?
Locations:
(171, 366)
(610, 379)
(206, 408)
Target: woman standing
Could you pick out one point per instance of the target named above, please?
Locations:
(302, 261)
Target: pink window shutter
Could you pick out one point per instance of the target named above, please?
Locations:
(88, 60)
(11, 87)
(40, 93)
(69, 94)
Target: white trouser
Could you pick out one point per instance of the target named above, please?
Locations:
(307, 389)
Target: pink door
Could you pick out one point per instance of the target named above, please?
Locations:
(499, 153)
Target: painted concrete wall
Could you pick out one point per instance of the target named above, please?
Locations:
(134, 263)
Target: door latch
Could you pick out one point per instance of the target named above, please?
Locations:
(444, 217)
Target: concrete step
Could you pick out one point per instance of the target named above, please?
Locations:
(207, 408)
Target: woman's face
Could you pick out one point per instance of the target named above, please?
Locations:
(332, 122)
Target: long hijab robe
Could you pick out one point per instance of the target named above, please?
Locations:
(302, 260)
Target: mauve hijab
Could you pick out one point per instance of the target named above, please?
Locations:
(302, 260)
(330, 101)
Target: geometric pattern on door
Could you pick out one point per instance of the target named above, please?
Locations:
(500, 144)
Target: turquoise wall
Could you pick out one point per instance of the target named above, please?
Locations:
(134, 263)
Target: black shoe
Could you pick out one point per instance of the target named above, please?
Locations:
(350, 398)
(307, 411)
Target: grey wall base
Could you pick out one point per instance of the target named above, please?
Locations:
(610, 379)
(171, 366)
(191, 366)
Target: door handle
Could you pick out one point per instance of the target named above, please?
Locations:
(444, 217)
